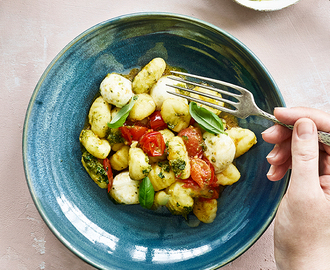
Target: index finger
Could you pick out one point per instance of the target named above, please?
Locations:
(291, 115)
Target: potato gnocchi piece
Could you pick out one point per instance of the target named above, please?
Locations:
(243, 138)
(211, 100)
(95, 169)
(205, 210)
(180, 201)
(139, 166)
(220, 150)
(175, 114)
(167, 134)
(99, 148)
(125, 190)
(159, 91)
(161, 175)
(119, 160)
(228, 176)
(148, 76)
(161, 198)
(178, 157)
(116, 90)
(142, 108)
(98, 117)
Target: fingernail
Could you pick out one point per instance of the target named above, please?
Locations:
(274, 152)
(305, 130)
(280, 108)
(271, 170)
(269, 130)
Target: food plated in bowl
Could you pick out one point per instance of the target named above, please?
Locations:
(266, 5)
(151, 148)
(112, 236)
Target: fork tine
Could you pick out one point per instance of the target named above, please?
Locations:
(203, 94)
(215, 106)
(220, 91)
(236, 87)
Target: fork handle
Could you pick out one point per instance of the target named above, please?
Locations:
(324, 137)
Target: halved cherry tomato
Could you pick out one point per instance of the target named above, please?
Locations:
(214, 190)
(193, 140)
(153, 144)
(156, 121)
(133, 133)
(200, 172)
(190, 183)
(213, 181)
(107, 167)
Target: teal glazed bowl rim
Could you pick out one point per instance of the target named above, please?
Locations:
(109, 236)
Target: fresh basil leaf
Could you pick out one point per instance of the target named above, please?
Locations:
(206, 119)
(146, 193)
(122, 115)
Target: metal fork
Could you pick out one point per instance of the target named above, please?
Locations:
(244, 106)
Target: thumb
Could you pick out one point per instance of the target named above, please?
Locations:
(305, 157)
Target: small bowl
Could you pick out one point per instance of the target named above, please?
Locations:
(266, 5)
(79, 213)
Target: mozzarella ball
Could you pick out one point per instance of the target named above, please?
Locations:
(220, 150)
(116, 90)
(159, 91)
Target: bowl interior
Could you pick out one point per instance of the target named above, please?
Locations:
(130, 237)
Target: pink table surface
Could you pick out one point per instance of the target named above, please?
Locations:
(294, 45)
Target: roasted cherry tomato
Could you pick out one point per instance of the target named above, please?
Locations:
(213, 181)
(107, 167)
(133, 133)
(153, 144)
(200, 172)
(193, 140)
(156, 121)
(190, 183)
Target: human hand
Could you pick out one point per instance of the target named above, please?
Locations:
(302, 223)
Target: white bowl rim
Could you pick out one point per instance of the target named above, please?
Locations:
(266, 5)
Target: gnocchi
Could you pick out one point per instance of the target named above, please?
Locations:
(99, 116)
(176, 114)
(187, 167)
(119, 160)
(178, 157)
(99, 148)
(139, 166)
(124, 189)
(149, 75)
(207, 91)
(142, 108)
(243, 138)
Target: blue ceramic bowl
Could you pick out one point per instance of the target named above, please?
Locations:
(79, 213)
